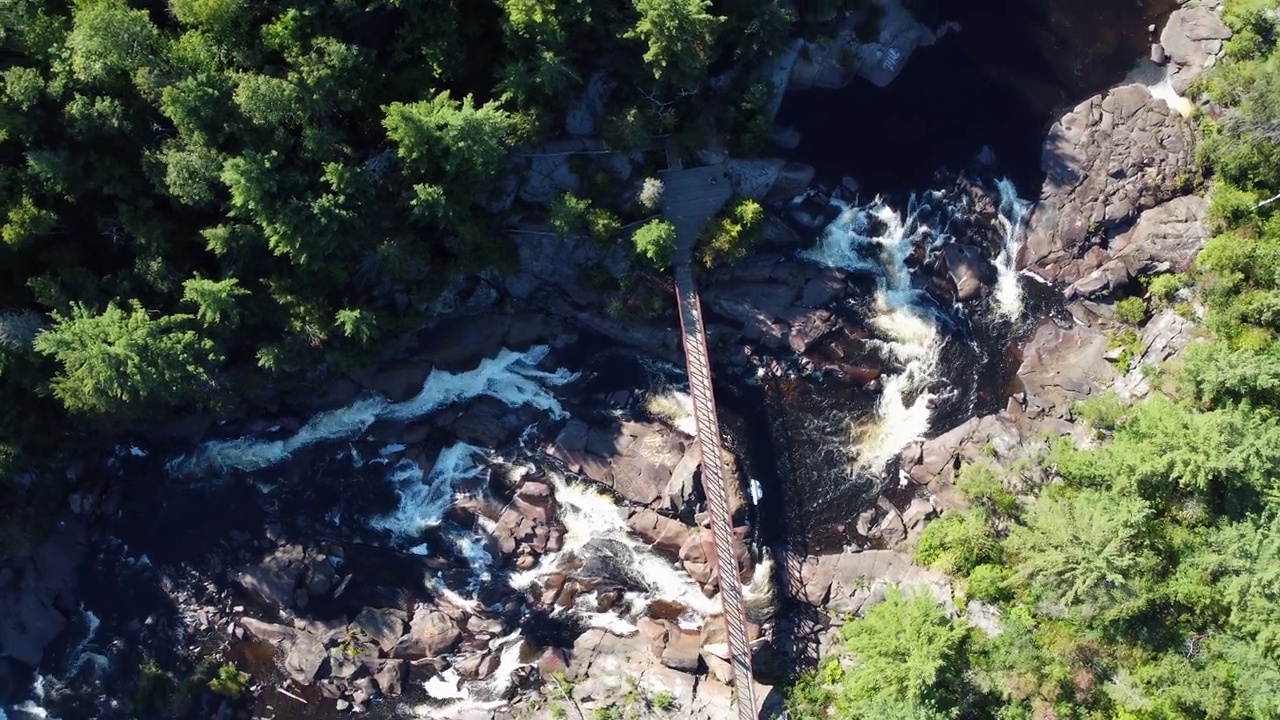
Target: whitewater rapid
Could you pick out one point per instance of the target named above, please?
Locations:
(590, 516)
(511, 377)
(878, 239)
(1012, 215)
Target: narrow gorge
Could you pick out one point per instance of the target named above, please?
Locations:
(504, 515)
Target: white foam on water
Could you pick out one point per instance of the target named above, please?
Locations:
(608, 622)
(424, 498)
(32, 708)
(469, 546)
(1163, 90)
(80, 654)
(675, 407)
(589, 514)
(446, 686)
(249, 453)
(1013, 214)
(758, 594)
(508, 663)
(447, 594)
(876, 238)
(510, 377)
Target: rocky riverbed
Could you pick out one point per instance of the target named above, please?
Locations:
(505, 517)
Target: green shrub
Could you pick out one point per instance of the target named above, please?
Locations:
(603, 225)
(567, 214)
(1104, 411)
(1229, 206)
(1131, 310)
(229, 681)
(957, 542)
(655, 241)
(980, 483)
(733, 234)
(1128, 342)
(989, 583)
(1164, 287)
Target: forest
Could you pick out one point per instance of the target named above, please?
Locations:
(207, 201)
(1139, 578)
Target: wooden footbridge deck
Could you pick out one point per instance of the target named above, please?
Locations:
(690, 198)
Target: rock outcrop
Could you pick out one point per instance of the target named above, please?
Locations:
(1163, 338)
(1113, 156)
(1166, 238)
(37, 593)
(637, 460)
(605, 669)
(851, 53)
(1192, 41)
(1062, 366)
(853, 582)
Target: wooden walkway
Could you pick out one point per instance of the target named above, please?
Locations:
(690, 198)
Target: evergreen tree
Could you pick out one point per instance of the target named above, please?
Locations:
(127, 361)
(680, 35)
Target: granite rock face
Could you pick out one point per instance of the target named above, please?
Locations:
(1110, 158)
(1192, 41)
(1166, 238)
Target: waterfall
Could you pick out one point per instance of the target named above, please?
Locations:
(904, 319)
(592, 520)
(759, 594)
(674, 407)
(1163, 90)
(510, 377)
(1013, 213)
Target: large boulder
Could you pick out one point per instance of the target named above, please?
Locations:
(969, 270)
(37, 596)
(1108, 159)
(431, 633)
(382, 626)
(636, 459)
(1192, 40)
(303, 658)
(274, 580)
(1062, 366)
(664, 533)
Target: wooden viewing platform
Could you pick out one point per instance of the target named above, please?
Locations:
(690, 197)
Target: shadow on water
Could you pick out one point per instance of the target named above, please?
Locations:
(1000, 82)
